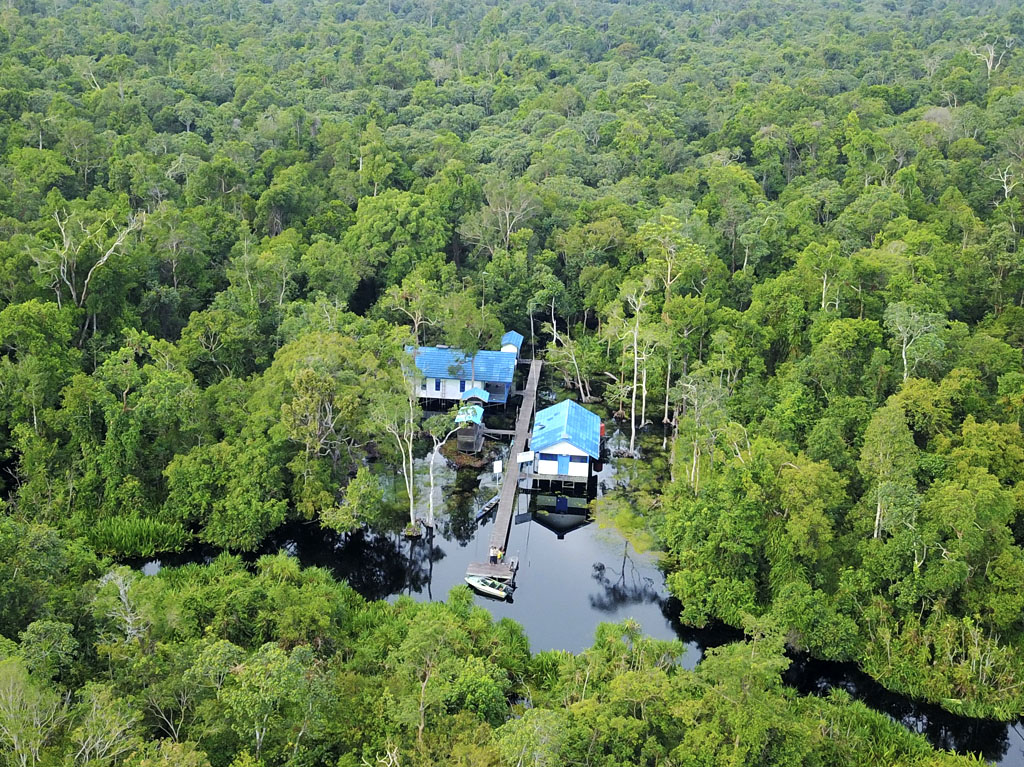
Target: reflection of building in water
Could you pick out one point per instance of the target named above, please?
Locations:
(560, 523)
(560, 514)
(563, 504)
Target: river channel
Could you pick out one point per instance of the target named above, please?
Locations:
(574, 574)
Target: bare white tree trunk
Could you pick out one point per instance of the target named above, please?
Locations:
(668, 385)
(636, 364)
(987, 54)
(643, 393)
(433, 454)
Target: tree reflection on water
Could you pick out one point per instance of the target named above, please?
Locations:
(459, 524)
(630, 586)
(423, 553)
(943, 729)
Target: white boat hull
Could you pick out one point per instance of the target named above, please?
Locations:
(489, 586)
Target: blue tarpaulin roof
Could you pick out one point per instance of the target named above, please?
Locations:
(440, 362)
(476, 393)
(470, 414)
(514, 338)
(570, 422)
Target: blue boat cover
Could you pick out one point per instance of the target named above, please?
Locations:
(570, 422)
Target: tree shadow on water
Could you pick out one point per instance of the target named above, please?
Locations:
(380, 565)
(943, 729)
(420, 558)
(459, 524)
(626, 585)
(372, 563)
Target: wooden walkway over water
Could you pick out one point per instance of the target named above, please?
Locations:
(510, 480)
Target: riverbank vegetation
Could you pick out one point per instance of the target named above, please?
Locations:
(787, 234)
(225, 665)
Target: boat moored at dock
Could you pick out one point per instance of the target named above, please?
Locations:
(490, 586)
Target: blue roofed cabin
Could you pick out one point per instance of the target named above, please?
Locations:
(447, 374)
(566, 440)
(512, 342)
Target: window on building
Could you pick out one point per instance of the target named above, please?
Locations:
(577, 458)
(423, 384)
(548, 457)
(462, 386)
(437, 384)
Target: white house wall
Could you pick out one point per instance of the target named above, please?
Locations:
(581, 470)
(551, 467)
(510, 348)
(449, 388)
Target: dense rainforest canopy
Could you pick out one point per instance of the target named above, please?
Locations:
(785, 235)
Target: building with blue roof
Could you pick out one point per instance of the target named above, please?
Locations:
(566, 440)
(447, 374)
(512, 342)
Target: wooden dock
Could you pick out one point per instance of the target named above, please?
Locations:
(510, 480)
(503, 571)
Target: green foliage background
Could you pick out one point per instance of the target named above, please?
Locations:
(786, 233)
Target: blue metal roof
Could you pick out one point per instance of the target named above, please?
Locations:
(440, 362)
(570, 422)
(514, 338)
(476, 393)
(470, 414)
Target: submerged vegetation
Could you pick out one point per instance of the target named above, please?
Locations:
(781, 239)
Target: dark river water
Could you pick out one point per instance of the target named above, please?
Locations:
(573, 575)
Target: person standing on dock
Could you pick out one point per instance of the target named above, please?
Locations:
(494, 555)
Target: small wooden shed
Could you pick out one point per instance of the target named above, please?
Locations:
(470, 436)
